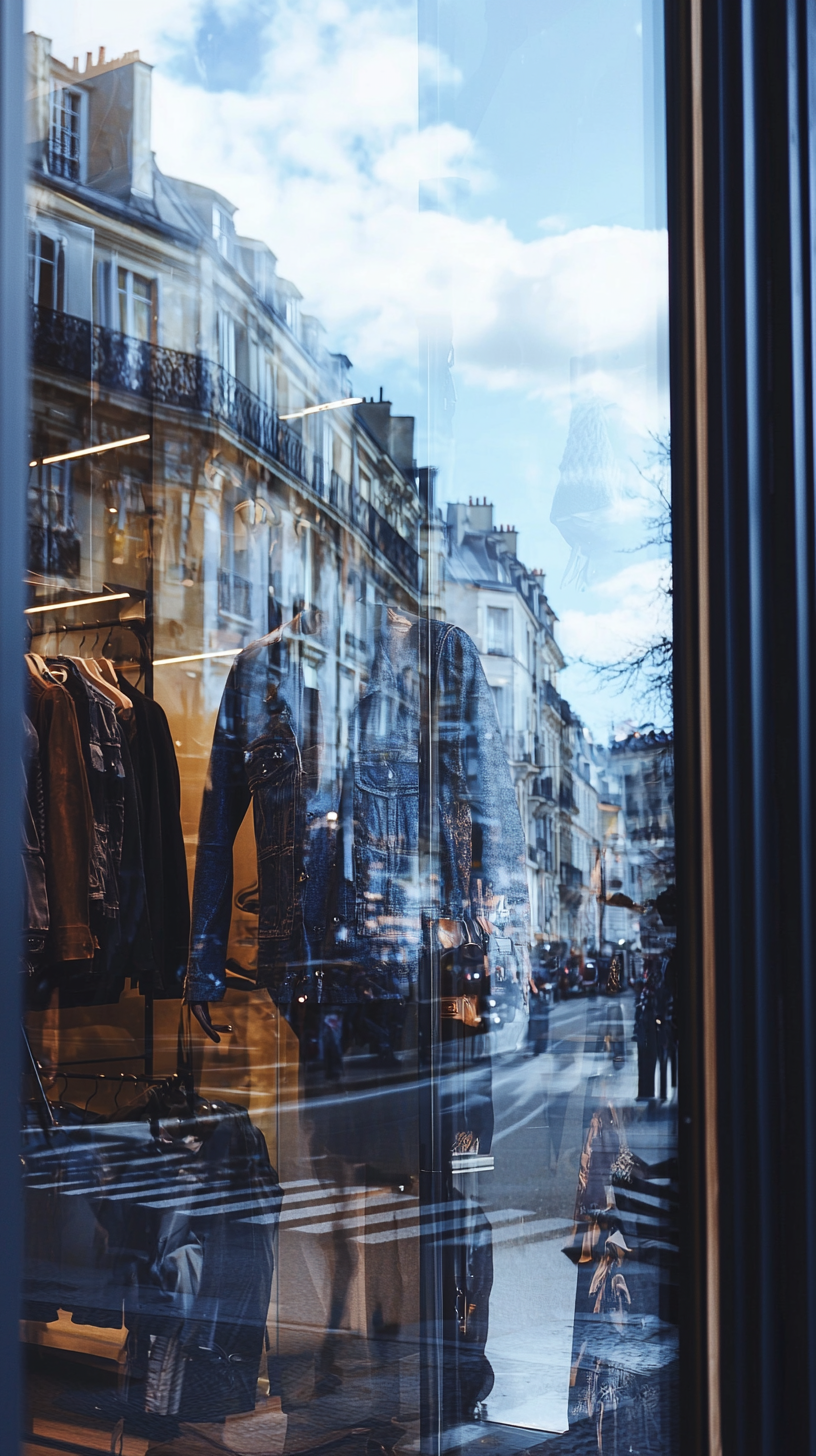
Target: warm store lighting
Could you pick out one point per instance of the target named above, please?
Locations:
(197, 656)
(91, 450)
(79, 602)
(315, 409)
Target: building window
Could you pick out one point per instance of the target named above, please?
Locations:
(266, 383)
(137, 313)
(226, 343)
(501, 697)
(64, 134)
(291, 314)
(223, 232)
(46, 261)
(235, 595)
(498, 630)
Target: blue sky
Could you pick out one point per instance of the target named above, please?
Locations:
(538, 253)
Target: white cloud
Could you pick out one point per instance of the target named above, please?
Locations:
(77, 26)
(324, 159)
(555, 222)
(335, 196)
(632, 608)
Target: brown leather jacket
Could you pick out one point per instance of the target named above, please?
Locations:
(68, 821)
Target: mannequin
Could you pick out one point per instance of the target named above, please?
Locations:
(345, 905)
(201, 1012)
(339, 862)
(201, 1009)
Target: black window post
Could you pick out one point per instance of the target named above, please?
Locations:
(13, 412)
(741, 189)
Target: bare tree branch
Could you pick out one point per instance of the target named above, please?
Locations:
(648, 665)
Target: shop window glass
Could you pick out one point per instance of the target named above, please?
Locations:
(349, 1106)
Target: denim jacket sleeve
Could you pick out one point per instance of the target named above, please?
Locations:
(225, 802)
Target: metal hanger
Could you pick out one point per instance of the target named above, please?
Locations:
(93, 1094)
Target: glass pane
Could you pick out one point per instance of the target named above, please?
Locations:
(349, 1113)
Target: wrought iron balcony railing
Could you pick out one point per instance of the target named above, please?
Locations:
(67, 345)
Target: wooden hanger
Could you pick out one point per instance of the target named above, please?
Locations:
(106, 668)
(90, 671)
(37, 666)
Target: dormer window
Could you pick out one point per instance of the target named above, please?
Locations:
(223, 232)
(64, 134)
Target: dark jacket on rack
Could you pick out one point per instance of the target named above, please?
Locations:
(165, 862)
(349, 893)
(68, 817)
(102, 752)
(118, 901)
(35, 903)
(132, 952)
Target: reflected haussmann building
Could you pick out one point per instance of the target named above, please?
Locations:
(351, 1075)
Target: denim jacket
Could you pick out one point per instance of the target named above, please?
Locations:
(342, 886)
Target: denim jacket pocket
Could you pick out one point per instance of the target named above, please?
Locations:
(273, 776)
(386, 837)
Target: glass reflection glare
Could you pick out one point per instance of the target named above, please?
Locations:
(350, 1105)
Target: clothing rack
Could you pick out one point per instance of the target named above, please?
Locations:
(142, 630)
(118, 1079)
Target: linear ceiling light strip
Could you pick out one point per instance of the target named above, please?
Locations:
(79, 602)
(316, 409)
(90, 450)
(197, 656)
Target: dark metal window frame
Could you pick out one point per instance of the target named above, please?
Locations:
(13, 406)
(741, 88)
